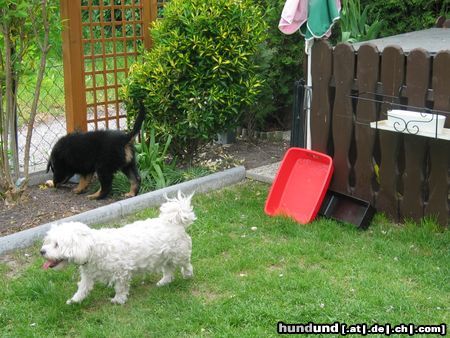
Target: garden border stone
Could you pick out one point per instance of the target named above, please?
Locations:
(125, 207)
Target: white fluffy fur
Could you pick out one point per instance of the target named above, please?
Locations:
(112, 255)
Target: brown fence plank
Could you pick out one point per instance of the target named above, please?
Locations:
(404, 188)
(441, 83)
(438, 203)
(321, 72)
(366, 112)
(344, 56)
(440, 22)
(392, 73)
(417, 80)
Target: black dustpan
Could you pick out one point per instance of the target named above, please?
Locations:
(346, 208)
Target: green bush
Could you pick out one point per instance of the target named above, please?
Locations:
(200, 73)
(354, 23)
(404, 16)
(280, 63)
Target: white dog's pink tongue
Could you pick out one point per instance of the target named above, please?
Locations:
(47, 264)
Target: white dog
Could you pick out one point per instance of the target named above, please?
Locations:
(112, 255)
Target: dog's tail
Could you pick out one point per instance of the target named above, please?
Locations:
(178, 210)
(139, 120)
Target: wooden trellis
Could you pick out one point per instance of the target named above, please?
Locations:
(101, 39)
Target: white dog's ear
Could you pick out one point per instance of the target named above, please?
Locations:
(180, 195)
(78, 243)
(189, 198)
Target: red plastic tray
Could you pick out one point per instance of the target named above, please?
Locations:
(300, 185)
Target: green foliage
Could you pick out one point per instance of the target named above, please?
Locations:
(157, 169)
(354, 23)
(280, 61)
(404, 16)
(151, 157)
(200, 73)
(24, 46)
(255, 115)
(24, 16)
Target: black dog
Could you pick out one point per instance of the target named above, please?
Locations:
(103, 152)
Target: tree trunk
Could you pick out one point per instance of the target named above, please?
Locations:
(45, 46)
(8, 108)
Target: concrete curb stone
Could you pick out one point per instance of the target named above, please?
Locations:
(126, 207)
(265, 173)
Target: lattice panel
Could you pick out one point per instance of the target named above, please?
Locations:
(112, 39)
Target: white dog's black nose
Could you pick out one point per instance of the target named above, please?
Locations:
(42, 252)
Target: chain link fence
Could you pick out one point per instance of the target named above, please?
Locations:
(50, 123)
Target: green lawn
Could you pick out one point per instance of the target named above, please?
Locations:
(246, 280)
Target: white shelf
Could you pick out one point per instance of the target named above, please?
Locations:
(385, 125)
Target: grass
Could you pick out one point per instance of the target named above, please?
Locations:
(246, 280)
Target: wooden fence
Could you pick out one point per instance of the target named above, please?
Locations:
(404, 176)
(101, 38)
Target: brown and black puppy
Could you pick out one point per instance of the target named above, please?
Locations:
(103, 152)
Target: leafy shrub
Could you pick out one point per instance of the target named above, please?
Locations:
(254, 116)
(280, 62)
(354, 23)
(404, 16)
(200, 73)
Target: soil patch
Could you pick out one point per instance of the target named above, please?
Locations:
(41, 205)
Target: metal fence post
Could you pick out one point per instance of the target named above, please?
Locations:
(298, 115)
